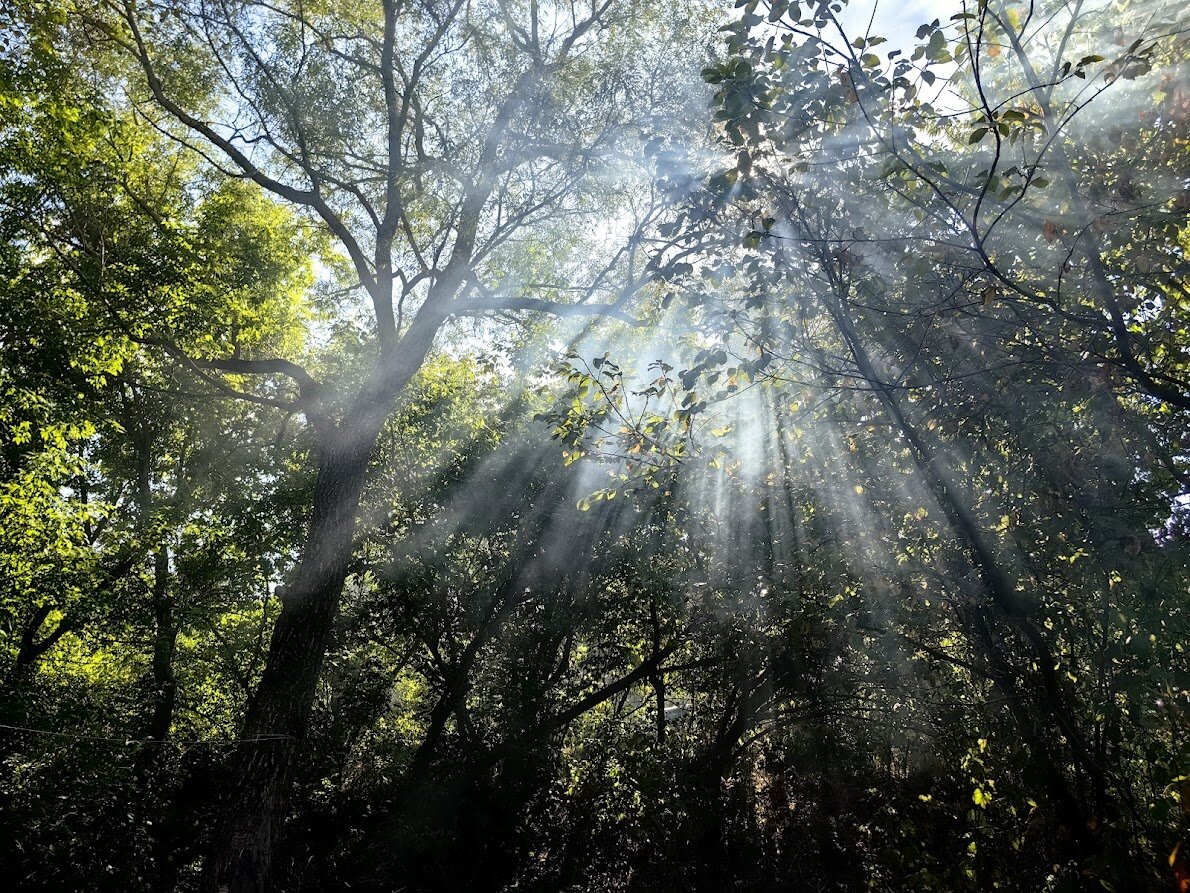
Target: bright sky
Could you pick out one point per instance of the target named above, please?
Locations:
(896, 19)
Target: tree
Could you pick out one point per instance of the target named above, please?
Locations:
(437, 143)
(893, 264)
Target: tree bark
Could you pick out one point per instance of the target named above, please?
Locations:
(241, 854)
(165, 632)
(254, 806)
(657, 678)
(165, 640)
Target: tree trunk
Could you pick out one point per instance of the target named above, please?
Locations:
(241, 859)
(657, 679)
(165, 633)
(154, 770)
(165, 640)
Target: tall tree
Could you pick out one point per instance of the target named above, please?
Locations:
(450, 149)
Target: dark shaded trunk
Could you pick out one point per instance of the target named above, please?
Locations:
(165, 639)
(254, 807)
(162, 683)
(710, 854)
(657, 679)
(152, 763)
(32, 647)
(154, 767)
(241, 854)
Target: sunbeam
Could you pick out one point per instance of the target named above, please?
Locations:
(594, 445)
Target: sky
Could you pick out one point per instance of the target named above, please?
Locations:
(896, 19)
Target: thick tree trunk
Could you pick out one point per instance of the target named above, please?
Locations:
(241, 860)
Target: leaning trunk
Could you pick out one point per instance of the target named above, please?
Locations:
(254, 807)
(241, 854)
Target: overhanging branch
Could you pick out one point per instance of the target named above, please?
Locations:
(477, 307)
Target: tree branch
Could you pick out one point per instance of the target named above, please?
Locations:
(475, 307)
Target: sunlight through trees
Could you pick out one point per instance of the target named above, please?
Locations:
(514, 444)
